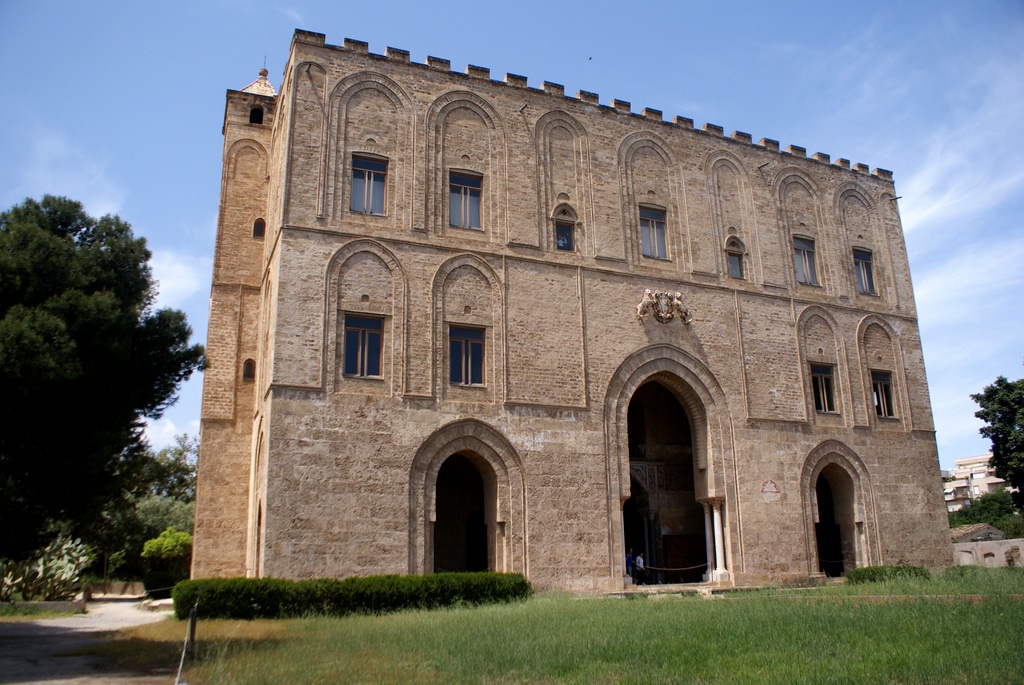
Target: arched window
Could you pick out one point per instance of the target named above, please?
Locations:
(259, 227)
(249, 370)
(256, 115)
(734, 257)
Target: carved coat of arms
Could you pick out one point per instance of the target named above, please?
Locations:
(663, 306)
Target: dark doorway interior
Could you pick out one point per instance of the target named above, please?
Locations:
(460, 530)
(634, 515)
(830, 540)
(662, 517)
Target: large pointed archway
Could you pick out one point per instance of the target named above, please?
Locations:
(662, 517)
(693, 445)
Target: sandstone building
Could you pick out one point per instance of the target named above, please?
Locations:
(459, 323)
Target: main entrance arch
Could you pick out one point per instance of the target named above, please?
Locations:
(662, 517)
(467, 502)
(671, 473)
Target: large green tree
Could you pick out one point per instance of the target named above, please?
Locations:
(84, 358)
(1002, 410)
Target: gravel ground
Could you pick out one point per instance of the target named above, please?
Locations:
(37, 651)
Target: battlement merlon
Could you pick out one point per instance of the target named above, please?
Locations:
(352, 45)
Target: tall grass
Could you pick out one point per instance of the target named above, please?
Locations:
(754, 638)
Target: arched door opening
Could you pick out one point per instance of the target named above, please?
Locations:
(662, 518)
(835, 527)
(461, 525)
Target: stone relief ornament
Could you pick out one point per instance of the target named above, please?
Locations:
(663, 305)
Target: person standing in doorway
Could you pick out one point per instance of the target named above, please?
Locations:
(640, 571)
(629, 563)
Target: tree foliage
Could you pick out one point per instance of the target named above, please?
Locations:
(171, 551)
(167, 480)
(84, 358)
(1002, 409)
(170, 545)
(171, 472)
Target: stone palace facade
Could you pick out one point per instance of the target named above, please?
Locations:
(459, 323)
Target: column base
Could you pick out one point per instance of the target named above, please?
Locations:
(717, 576)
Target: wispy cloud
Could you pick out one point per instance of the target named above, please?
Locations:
(179, 277)
(57, 166)
(161, 433)
(293, 14)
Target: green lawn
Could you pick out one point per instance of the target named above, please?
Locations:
(760, 637)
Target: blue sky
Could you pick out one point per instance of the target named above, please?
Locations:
(120, 105)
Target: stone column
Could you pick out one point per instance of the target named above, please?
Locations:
(720, 573)
(709, 542)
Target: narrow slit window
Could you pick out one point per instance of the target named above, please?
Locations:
(464, 200)
(259, 228)
(734, 258)
(881, 387)
(363, 346)
(652, 233)
(824, 391)
(369, 181)
(466, 355)
(249, 370)
(862, 267)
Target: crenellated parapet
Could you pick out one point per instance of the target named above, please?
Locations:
(622, 106)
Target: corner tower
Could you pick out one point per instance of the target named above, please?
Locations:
(222, 497)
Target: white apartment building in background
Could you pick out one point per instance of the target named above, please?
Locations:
(970, 478)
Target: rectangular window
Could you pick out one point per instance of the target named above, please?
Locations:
(563, 236)
(466, 351)
(862, 267)
(464, 200)
(369, 178)
(363, 346)
(803, 258)
(824, 396)
(652, 233)
(881, 387)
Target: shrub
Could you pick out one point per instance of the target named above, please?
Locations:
(883, 574)
(171, 550)
(52, 575)
(249, 598)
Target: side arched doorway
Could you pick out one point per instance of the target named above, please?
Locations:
(463, 527)
(467, 502)
(839, 510)
(662, 517)
(835, 526)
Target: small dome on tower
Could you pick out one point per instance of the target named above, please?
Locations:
(261, 86)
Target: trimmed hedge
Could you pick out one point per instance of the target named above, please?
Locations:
(882, 574)
(249, 598)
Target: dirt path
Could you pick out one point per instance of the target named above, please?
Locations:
(37, 651)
